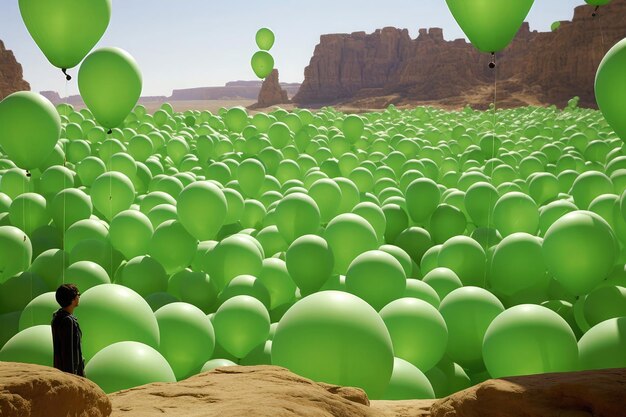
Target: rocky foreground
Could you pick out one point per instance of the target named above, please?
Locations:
(33, 390)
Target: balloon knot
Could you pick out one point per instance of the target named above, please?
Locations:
(67, 76)
(110, 131)
(28, 174)
(595, 12)
(492, 64)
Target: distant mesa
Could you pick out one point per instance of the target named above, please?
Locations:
(11, 74)
(388, 67)
(272, 93)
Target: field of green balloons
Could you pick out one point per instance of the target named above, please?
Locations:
(408, 252)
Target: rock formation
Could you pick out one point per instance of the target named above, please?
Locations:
(232, 90)
(41, 391)
(271, 92)
(33, 390)
(11, 76)
(388, 66)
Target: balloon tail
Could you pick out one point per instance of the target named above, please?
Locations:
(67, 76)
(28, 174)
(492, 64)
(595, 12)
(110, 131)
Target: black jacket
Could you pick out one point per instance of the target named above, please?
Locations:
(66, 337)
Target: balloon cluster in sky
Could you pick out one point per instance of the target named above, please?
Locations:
(262, 61)
(411, 253)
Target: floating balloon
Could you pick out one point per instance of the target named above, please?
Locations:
(310, 262)
(194, 202)
(603, 346)
(408, 383)
(265, 39)
(130, 232)
(172, 246)
(610, 85)
(112, 193)
(323, 332)
(262, 64)
(529, 339)
(66, 32)
(490, 26)
(16, 254)
(233, 256)
(297, 215)
(241, 323)
(29, 128)
(31, 345)
(110, 83)
(128, 364)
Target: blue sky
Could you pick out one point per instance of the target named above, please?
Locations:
(195, 43)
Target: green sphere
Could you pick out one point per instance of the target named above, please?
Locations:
(187, 338)
(202, 209)
(348, 236)
(241, 323)
(16, 254)
(111, 193)
(128, 364)
(130, 232)
(337, 338)
(603, 346)
(31, 345)
(297, 215)
(466, 258)
(172, 246)
(408, 383)
(233, 256)
(529, 339)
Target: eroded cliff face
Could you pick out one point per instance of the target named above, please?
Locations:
(388, 66)
(11, 76)
(271, 92)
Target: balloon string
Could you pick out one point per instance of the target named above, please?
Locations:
(67, 99)
(67, 76)
(595, 11)
(493, 150)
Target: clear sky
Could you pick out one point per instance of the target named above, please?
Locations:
(197, 43)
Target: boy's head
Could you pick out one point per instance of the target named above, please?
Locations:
(67, 294)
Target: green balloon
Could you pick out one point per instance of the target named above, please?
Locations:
(50, 265)
(411, 321)
(38, 311)
(480, 199)
(337, 338)
(446, 222)
(529, 339)
(517, 266)
(588, 186)
(376, 277)
(187, 338)
(408, 383)
(468, 312)
(580, 250)
(172, 246)
(236, 119)
(466, 258)
(85, 275)
(310, 262)
(31, 345)
(112, 313)
(241, 323)
(353, 127)
(516, 212)
(195, 288)
(604, 303)
(110, 83)
(246, 285)
(216, 363)
(16, 182)
(265, 39)
(112, 193)
(128, 364)
(194, 202)
(262, 64)
(18, 291)
(275, 276)
(348, 236)
(610, 87)
(297, 215)
(29, 212)
(66, 32)
(16, 254)
(233, 256)
(422, 291)
(422, 198)
(597, 2)
(251, 176)
(70, 206)
(29, 128)
(279, 134)
(443, 281)
(130, 232)
(603, 346)
(327, 196)
(490, 26)
(89, 169)
(55, 179)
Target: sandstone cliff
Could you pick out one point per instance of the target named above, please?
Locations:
(388, 66)
(11, 77)
(271, 92)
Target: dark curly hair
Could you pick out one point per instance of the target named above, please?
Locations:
(65, 294)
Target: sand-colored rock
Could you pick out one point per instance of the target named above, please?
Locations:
(242, 391)
(41, 391)
(11, 76)
(388, 67)
(271, 92)
(577, 394)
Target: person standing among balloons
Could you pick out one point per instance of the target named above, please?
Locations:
(66, 333)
